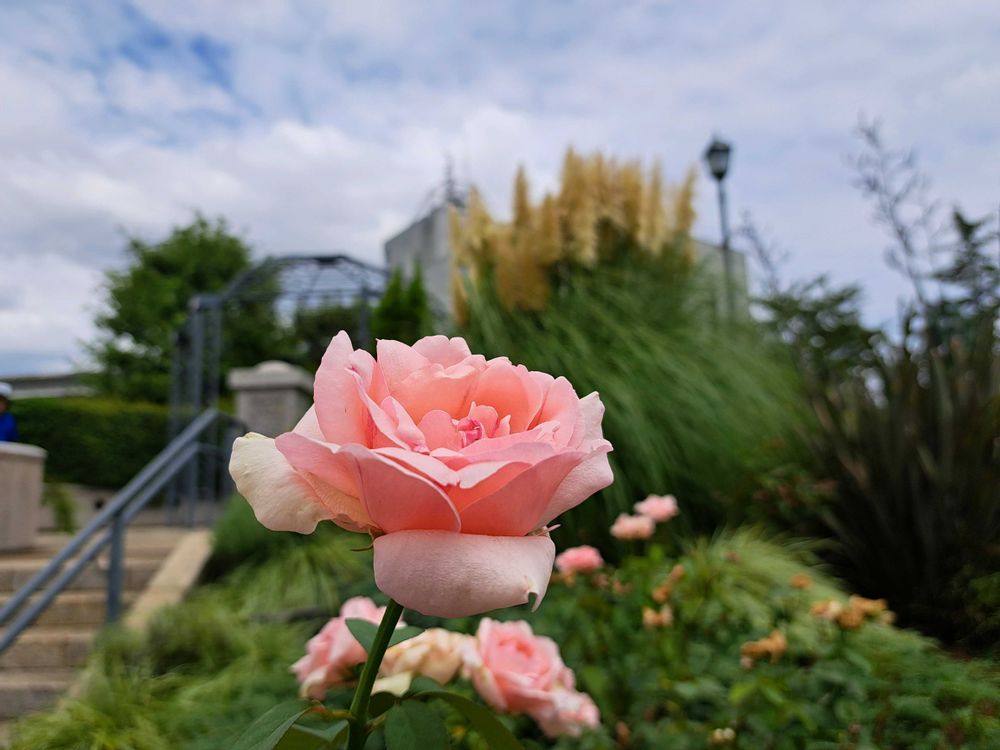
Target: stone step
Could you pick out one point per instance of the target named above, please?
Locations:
(46, 647)
(15, 572)
(26, 692)
(84, 607)
(143, 542)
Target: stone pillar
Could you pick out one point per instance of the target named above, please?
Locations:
(21, 470)
(271, 397)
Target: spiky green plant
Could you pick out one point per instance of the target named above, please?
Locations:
(693, 405)
(914, 445)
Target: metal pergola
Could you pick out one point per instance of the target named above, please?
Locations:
(287, 283)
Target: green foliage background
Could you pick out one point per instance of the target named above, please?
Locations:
(95, 441)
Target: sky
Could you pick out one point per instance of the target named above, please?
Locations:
(322, 126)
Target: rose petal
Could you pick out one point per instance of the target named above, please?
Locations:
(309, 425)
(332, 478)
(439, 431)
(280, 498)
(591, 414)
(511, 391)
(445, 574)
(443, 350)
(592, 475)
(321, 459)
(397, 498)
(516, 507)
(563, 408)
(340, 414)
(437, 387)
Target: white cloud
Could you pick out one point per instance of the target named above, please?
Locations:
(315, 126)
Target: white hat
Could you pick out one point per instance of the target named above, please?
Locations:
(6, 390)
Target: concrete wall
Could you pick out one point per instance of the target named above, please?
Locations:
(428, 243)
(271, 397)
(48, 386)
(21, 469)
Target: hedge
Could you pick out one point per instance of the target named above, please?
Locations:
(93, 441)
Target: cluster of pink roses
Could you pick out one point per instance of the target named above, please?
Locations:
(651, 511)
(512, 669)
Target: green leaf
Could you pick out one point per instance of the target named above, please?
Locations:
(741, 691)
(421, 684)
(268, 730)
(299, 737)
(413, 725)
(380, 703)
(497, 736)
(364, 631)
(404, 634)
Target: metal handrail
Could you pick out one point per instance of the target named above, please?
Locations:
(112, 520)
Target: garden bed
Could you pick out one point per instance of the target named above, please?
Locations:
(740, 647)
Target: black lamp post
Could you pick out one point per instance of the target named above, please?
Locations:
(717, 159)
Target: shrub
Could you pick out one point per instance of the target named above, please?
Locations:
(57, 498)
(690, 403)
(675, 684)
(827, 685)
(914, 447)
(93, 441)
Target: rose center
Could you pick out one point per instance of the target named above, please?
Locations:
(470, 429)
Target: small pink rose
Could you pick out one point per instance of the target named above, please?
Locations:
(658, 507)
(435, 653)
(454, 463)
(513, 669)
(516, 671)
(583, 559)
(332, 653)
(633, 527)
(569, 712)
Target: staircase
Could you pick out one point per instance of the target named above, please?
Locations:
(43, 662)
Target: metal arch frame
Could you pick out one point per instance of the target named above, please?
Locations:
(197, 343)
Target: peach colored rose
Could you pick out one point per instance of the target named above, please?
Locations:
(659, 508)
(583, 559)
(454, 463)
(435, 653)
(334, 651)
(633, 527)
(516, 671)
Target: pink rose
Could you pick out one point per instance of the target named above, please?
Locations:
(569, 712)
(516, 671)
(633, 527)
(334, 651)
(659, 508)
(454, 463)
(435, 653)
(583, 559)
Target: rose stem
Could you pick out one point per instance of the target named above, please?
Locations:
(363, 693)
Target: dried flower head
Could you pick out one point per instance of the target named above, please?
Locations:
(773, 647)
(653, 618)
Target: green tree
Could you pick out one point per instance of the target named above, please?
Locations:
(314, 327)
(148, 300)
(403, 312)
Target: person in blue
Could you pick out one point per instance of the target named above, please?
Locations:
(8, 425)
